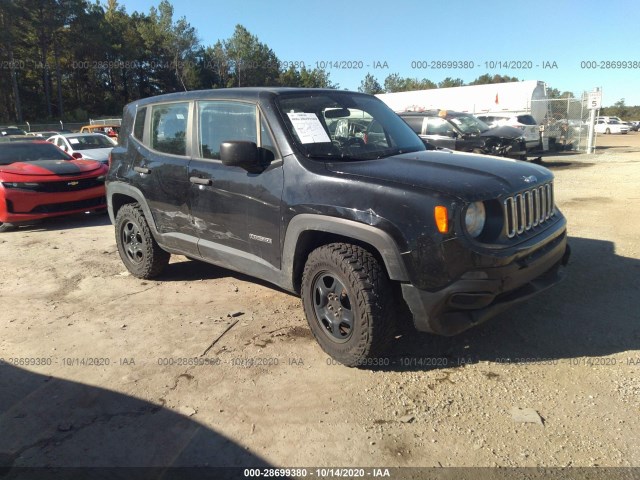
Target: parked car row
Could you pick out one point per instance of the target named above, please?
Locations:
(611, 126)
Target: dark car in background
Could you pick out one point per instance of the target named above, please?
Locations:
(464, 132)
(5, 131)
(38, 180)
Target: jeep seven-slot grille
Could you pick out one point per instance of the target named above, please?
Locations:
(528, 209)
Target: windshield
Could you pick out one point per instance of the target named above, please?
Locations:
(88, 142)
(468, 124)
(345, 126)
(29, 152)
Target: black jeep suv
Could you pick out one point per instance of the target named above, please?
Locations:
(330, 194)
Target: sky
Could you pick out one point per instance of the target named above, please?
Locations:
(571, 45)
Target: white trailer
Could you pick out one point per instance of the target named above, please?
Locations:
(514, 97)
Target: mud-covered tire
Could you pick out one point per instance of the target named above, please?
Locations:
(138, 250)
(5, 227)
(358, 327)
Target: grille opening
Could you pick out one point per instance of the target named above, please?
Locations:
(528, 209)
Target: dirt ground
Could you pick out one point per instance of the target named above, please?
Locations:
(205, 367)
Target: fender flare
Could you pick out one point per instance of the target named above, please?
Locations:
(378, 239)
(120, 188)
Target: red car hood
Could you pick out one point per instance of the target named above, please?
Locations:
(51, 167)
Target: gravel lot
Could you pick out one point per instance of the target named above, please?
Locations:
(208, 367)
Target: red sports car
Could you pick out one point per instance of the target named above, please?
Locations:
(38, 180)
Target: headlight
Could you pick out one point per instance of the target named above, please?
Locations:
(474, 218)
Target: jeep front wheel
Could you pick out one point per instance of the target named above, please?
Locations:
(138, 250)
(346, 298)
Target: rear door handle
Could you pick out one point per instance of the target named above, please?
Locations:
(200, 181)
(142, 170)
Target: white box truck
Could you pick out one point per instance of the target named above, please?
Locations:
(529, 96)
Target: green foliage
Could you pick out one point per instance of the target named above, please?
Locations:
(555, 93)
(68, 58)
(396, 83)
(487, 79)
(451, 82)
(370, 85)
(622, 110)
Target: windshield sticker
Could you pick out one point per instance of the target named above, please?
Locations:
(308, 128)
(74, 141)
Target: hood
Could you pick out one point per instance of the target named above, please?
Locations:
(467, 176)
(100, 154)
(503, 131)
(51, 167)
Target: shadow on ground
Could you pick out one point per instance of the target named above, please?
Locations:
(70, 222)
(592, 313)
(59, 424)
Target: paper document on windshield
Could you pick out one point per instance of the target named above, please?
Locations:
(308, 128)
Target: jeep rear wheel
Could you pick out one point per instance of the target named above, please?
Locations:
(138, 250)
(347, 298)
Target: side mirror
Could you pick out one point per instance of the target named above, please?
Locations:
(241, 154)
(76, 155)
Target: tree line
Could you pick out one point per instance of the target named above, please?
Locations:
(72, 59)
(69, 59)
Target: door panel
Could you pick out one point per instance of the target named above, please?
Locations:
(162, 175)
(238, 209)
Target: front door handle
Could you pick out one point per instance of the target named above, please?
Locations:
(142, 170)
(200, 181)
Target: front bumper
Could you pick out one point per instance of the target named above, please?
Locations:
(479, 295)
(20, 206)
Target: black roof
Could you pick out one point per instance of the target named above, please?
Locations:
(433, 113)
(237, 93)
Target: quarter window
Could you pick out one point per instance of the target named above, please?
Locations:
(225, 121)
(138, 126)
(169, 128)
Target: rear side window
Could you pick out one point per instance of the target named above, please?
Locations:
(138, 126)
(415, 123)
(169, 128)
(437, 126)
(225, 121)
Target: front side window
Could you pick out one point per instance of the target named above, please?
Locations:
(223, 122)
(169, 128)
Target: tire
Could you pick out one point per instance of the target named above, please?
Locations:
(607, 131)
(347, 299)
(138, 250)
(5, 227)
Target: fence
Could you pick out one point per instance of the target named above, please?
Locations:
(60, 125)
(566, 123)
